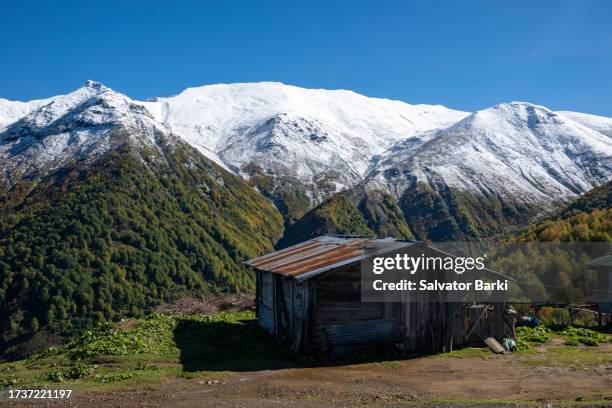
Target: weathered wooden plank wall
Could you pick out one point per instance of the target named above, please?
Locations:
(325, 314)
(266, 304)
(341, 320)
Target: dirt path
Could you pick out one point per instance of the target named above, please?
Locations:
(421, 381)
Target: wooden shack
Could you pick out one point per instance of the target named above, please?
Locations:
(601, 290)
(309, 296)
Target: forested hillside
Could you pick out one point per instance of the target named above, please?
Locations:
(421, 213)
(352, 212)
(588, 219)
(449, 214)
(119, 236)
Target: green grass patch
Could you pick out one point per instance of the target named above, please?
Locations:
(569, 357)
(150, 349)
(527, 337)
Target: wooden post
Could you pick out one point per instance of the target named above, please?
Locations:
(450, 327)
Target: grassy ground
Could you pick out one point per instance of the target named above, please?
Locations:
(569, 357)
(149, 350)
(167, 349)
(563, 346)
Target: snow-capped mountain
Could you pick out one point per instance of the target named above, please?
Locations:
(307, 134)
(514, 150)
(10, 111)
(600, 124)
(80, 125)
(319, 142)
(313, 137)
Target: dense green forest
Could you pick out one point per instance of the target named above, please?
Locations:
(287, 193)
(421, 213)
(449, 215)
(352, 212)
(558, 271)
(453, 215)
(118, 236)
(588, 219)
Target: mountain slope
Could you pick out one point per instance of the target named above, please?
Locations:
(114, 216)
(303, 144)
(353, 212)
(306, 142)
(485, 175)
(516, 150)
(280, 119)
(587, 219)
(123, 234)
(11, 111)
(495, 169)
(71, 127)
(300, 146)
(600, 124)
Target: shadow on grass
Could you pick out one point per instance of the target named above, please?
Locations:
(244, 346)
(228, 346)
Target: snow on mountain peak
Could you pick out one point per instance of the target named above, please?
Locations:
(328, 137)
(12, 111)
(90, 83)
(294, 131)
(208, 115)
(79, 125)
(515, 114)
(515, 149)
(89, 107)
(600, 124)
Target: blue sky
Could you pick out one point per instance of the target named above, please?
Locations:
(463, 54)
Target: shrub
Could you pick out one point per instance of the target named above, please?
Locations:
(571, 342)
(588, 341)
(75, 372)
(538, 334)
(585, 336)
(10, 381)
(522, 345)
(107, 340)
(115, 376)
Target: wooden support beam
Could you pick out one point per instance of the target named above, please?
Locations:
(476, 323)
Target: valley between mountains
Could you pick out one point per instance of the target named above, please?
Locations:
(110, 206)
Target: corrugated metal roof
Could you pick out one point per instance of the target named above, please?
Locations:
(321, 254)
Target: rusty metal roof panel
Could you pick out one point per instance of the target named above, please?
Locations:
(310, 258)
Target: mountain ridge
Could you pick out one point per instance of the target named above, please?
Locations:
(298, 147)
(530, 145)
(308, 144)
